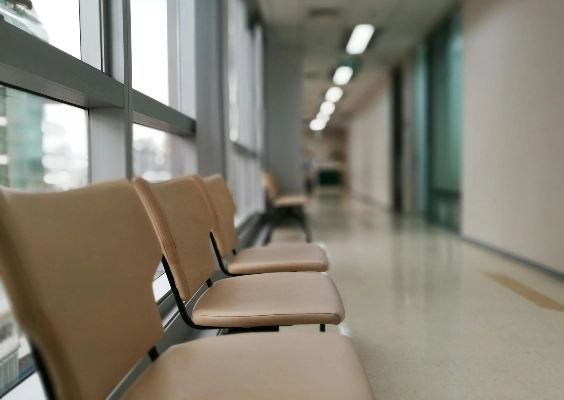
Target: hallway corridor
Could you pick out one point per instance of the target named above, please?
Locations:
(435, 317)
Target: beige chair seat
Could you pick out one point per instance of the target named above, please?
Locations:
(279, 257)
(290, 200)
(284, 298)
(274, 366)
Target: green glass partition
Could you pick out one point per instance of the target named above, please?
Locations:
(420, 126)
(444, 60)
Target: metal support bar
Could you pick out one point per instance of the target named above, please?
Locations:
(153, 354)
(219, 259)
(277, 216)
(299, 214)
(43, 373)
(179, 302)
(322, 328)
(154, 114)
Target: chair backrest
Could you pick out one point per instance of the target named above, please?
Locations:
(183, 223)
(270, 185)
(78, 267)
(222, 206)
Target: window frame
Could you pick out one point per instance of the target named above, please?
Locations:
(102, 79)
(101, 82)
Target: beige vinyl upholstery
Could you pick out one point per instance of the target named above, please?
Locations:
(279, 257)
(78, 267)
(223, 207)
(270, 185)
(290, 200)
(276, 199)
(285, 298)
(183, 223)
(253, 366)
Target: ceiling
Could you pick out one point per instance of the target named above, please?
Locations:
(322, 28)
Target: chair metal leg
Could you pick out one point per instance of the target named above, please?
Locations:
(322, 328)
(300, 216)
(46, 382)
(273, 224)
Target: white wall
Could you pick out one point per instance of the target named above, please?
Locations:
(513, 127)
(370, 148)
(329, 147)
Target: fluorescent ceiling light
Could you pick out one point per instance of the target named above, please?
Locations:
(327, 108)
(359, 39)
(317, 125)
(322, 117)
(334, 94)
(342, 75)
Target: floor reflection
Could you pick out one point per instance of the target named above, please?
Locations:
(426, 321)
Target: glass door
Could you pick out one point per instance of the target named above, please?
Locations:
(444, 57)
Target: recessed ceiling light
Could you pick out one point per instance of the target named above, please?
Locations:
(322, 117)
(343, 75)
(334, 94)
(360, 37)
(317, 125)
(327, 108)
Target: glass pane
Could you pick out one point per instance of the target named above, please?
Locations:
(149, 48)
(151, 153)
(55, 22)
(445, 71)
(43, 147)
(43, 144)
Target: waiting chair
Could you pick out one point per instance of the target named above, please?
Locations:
(78, 268)
(183, 222)
(280, 257)
(285, 205)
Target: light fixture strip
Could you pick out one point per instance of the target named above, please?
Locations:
(360, 37)
(343, 75)
(334, 94)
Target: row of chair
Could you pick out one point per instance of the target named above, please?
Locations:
(284, 206)
(78, 267)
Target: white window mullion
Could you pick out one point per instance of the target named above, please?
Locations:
(111, 128)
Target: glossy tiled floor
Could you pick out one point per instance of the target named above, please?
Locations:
(427, 320)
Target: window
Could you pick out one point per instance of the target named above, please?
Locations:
(149, 50)
(151, 153)
(43, 147)
(246, 109)
(55, 22)
(43, 143)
